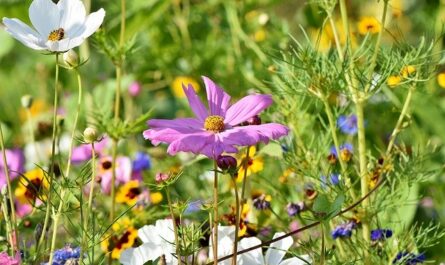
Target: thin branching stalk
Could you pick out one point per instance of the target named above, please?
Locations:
(31, 133)
(13, 220)
(56, 218)
(76, 119)
(4, 203)
(237, 220)
(333, 130)
(246, 164)
(304, 228)
(215, 214)
(322, 253)
(53, 158)
(398, 126)
(175, 226)
(90, 203)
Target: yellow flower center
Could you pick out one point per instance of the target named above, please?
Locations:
(56, 34)
(214, 123)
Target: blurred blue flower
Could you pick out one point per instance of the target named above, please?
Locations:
(344, 230)
(409, 258)
(346, 146)
(142, 161)
(380, 234)
(347, 124)
(294, 208)
(193, 206)
(68, 253)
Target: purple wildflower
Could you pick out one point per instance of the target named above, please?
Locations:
(15, 160)
(347, 124)
(66, 255)
(344, 230)
(409, 258)
(380, 234)
(83, 152)
(215, 130)
(294, 208)
(141, 162)
(262, 202)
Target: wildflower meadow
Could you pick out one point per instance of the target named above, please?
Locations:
(206, 132)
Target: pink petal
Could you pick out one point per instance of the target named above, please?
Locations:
(217, 98)
(246, 108)
(159, 135)
(195, 103)
(251, 135)
(181, 123)
(191, 143)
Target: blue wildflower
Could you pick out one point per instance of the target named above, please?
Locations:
(142, 161)
(409, 258)
(262, 202)
(335, 178)
(347, 124)
(344, 230)
(66, 254)
(193, 206)
(380, 234)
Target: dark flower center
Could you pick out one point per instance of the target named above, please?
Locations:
(106, 164)
(33, 189)
(56, 34)
(214, 123)
(133, 192)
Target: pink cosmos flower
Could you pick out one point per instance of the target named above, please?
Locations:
(7, 260)
(217, 129)
(15, 160)
(82, 152)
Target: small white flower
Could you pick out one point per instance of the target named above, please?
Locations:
(157, 240)
(57, 27)
(274, 254)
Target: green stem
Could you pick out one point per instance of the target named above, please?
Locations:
(322, 253)
(56, 219)
(113, 179)
(90, 204)
(76, 119)
(53, 157)
(31, 134)
(14, 233)
(237, 220)
(246, 164)
(9, 234)
(337, 147)
(215, 214)
(175, 227)
(123, 17)
(363, 167)
(398, 126)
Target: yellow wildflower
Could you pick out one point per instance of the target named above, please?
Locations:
(116, 244)
(129, 193)
(177, 83)
(394, 81)
(254, 164)
(369, 25)
(156, 197)
(441, 79)
(407, 71)
(31, 186)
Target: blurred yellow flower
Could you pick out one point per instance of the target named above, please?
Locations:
(129, 193)
(31, 186)
(254, 164)
(394, 80)
(260, 35)
(38, 107)
(177, 83)
(407, 71)
(116, 244)
(156, 197)
(368, 25)
(441, 79)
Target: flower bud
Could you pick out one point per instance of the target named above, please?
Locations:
(255, 120)
(27, 101)
(71, 58)
(226, 162)
(161, 177)
(134, 89)
(90, 135)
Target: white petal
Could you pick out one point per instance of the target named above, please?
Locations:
(23, 33)
(252, 257)
(149, 234)
(277, 250)
(141, 254)
(226, 237)
(72, 16)
(64, 45)
(303, 260)
(44, 16)
(92, 23)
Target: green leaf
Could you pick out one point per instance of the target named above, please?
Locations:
(322, 205)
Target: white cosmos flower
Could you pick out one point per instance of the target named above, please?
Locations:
(57, 27)
(274, 254)
(157, 240)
